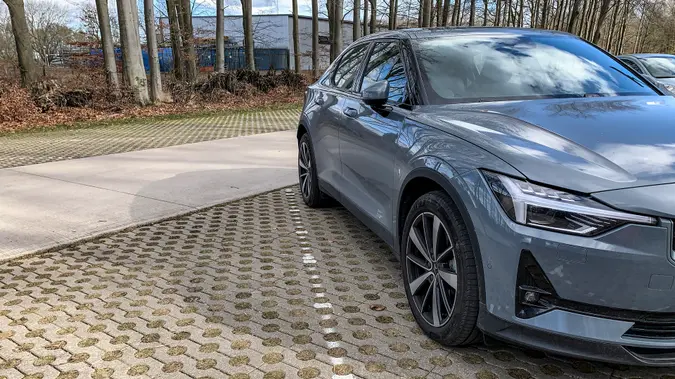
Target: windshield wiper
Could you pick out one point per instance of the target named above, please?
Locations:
(634, 79)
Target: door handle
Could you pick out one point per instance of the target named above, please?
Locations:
(319, 100)
(351, 112)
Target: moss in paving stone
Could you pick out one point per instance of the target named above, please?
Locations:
(485, 374)
(78, 358)
(112, 355)
(271, 328)
(42, 361)
(519, 373)
(368, 350)
(302, 339)
(88, 342)
(342, 369)
(241, 344)
(70, 374)
(177, 350)
(375, 367)
(305, 355)
(337, 352)
(172, 367)
(407, 363)
(474, 359)
(272, 358)
(145, 353)
(269, 342)
(278, 374)
(440, 361)
(137, 370)
(503, 356)
(205, 364)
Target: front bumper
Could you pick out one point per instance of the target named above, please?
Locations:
(613, 295)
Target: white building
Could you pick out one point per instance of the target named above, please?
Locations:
(269, 32)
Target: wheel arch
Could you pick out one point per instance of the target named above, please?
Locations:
(423, 180)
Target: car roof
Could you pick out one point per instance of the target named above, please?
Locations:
(647, 55)
(424, 33)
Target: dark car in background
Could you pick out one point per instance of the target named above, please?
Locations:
(525, 179)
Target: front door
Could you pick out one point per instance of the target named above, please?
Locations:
(368, 139)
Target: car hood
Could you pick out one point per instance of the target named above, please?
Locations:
(586, 145)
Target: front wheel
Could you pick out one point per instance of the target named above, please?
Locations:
(439, 270)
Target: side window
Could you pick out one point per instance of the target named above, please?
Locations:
(632, 65)
(386, 63)
(348, 68)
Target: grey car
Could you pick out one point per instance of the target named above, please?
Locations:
(525, 179)
(658, 68)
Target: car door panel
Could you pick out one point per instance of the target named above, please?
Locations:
(325, 136)
(367, 149)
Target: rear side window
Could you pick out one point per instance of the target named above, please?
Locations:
(386, 63)
(348, 68)
(632, 65)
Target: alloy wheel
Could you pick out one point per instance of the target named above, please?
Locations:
(431, 269)
(305, 168)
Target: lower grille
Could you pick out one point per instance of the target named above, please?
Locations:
(665, 330)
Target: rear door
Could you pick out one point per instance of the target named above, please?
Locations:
(368, 138)
(328, 99)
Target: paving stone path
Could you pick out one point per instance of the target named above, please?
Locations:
(259, 288)
(61, 144)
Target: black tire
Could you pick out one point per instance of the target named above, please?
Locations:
(460, 327)
(310, 191)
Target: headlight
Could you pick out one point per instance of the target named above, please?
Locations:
(547, 208)
(670, 88)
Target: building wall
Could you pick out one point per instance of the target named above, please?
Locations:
(269, 32)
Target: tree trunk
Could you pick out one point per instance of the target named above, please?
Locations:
(472, 14)
(439, 12)
(446, 12)
(296, 37)
(544, 14)
(639, 33)
(509, 13)
(624, 24)
(373, 16)
(521, 14)
(156, 93)
(189, 54)
(337, 26)
(132, 57)
(220, 35)
(356, 26)
(176, 45)
(573, 16)
(456, 12)
(107, 44)
(591, 20)
(392, 9)
(612, 26)
(426, 4)
(22, 40)
(534, 17)
(247, 10)
(315, 38)
(365, 17)
(604, 9)
(498, 13)
(485, 12)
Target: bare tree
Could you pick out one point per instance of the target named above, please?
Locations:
(156, 93)
(247, 19)
(485, 12)
(573, 16)
(426, 13)
(134, 72)
(47, 23)
(176, 43)
(365, 17)
(373, 15)
(220, 36)
(604, 9)
(296, 37)
(107, 45)
(446, 12)
(472, 14)
(22, 41)
(188, 38)
(315, 38)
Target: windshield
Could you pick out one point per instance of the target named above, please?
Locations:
(660, 67)
(482, 67)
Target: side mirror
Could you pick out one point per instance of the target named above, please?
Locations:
(376, 94)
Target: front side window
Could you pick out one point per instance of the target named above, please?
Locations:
(348, 69)
(385, 63)
(493, 67)
(660, 67)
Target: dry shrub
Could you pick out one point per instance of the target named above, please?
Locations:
(16, 104)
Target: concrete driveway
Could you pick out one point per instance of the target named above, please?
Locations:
(51, 204)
